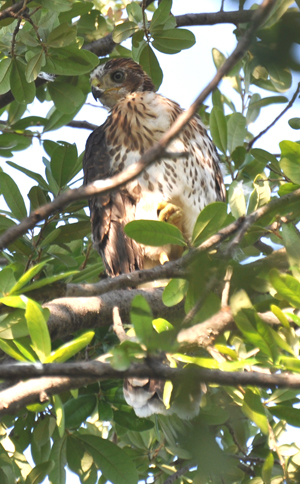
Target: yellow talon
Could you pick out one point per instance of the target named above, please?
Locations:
(169, 213)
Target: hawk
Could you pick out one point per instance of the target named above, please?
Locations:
(173, 190)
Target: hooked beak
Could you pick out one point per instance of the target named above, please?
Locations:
(97, 93)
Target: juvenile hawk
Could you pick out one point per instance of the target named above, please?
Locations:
(174, 190)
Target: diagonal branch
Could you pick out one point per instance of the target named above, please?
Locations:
(151, 155)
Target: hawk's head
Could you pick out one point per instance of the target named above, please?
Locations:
(118, 78)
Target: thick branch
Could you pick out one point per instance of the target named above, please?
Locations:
(74, 375)
(151, 155)
(68, 315)
(13, 10)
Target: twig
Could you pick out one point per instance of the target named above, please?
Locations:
(225, 292)
(14, 10)
(151, 155)
(82, 124)
(177, 474)
(289, 105)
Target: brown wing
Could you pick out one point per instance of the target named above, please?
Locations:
(109, 213)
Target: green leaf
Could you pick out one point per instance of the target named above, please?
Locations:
(160, 325)
(174, 292)
(161, 15)
(267, 469)
(48, 280)
(7, 280)
(66, 351)
(124, 31)
(34, 66)
(236, 199)
(291, 240)
(294, 123)
(218, 58)
(110, 459)
(154, 233)
(58, 455)
(209, 222)
(23, 91)
(287, 286)
(62, 163)
(131, 422)
(12, 196)
(141, 318)
(276, 13)
(77, 410)
(248, 322)
(218, 128)
(289, 414)
(33, 271)
(236, 131)
(173, 41)
(70, 61)
(60, 414)
(5, 68)
(66, 97)
(57, 6)
(39, 472)
(253, 109)
(150, 64)
(38, 329)
(290, 161)
(10, 349)
(135, 13)
(280, 77)
(13, 325)
(79, 460)
(288, 363)
(62, 35)
(254, 410)
(261, 194)
(35, 176)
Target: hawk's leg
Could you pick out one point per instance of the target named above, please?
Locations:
(167, 212)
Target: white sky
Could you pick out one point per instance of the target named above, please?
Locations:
(185, 74)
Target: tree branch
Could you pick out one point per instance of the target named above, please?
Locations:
(106, 45)
(151, 155)
(14, 10)
(74, 375)
(264, 131)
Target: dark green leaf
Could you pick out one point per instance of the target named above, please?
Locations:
(236, 131)
(67, 98)
(12, 196)
(294, 123)
(289, 414)
(23, 91)
(38, 474)
(131, 422)
(7, 280)
(35, 176)
(62, 163)
(110, 459)
(5, 67)
(58, 455)
(62, 35)
(161, 15)
(154, 232)
(77, 410)
(173, 41)
(34, 66)
(57, 6)
(135, 13)
(150, 64)
(291, 240)
(218, 128)
(70, 61)
(209, 222)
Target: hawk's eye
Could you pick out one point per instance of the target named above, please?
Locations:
(117, 76)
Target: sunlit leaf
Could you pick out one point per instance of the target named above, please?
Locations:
(38, 330)
(154, 232)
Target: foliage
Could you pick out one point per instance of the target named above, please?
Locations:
(233, 439)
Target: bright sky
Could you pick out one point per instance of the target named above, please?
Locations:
(185, 74)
